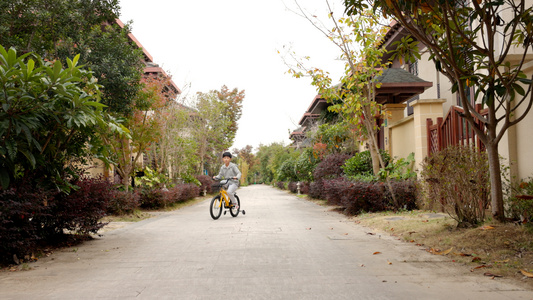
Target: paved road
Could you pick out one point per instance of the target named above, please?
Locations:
(283, 248)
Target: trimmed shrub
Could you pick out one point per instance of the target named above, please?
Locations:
(316, 189)
(81, 210)
(358, 196)
(20, 208)
(205, 184)
(330, 167)
(152, 198)
(123, 202)
(280, 185)
(334, 189)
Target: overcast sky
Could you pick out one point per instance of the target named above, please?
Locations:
(207, 44)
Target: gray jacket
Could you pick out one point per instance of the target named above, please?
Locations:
(228, 172)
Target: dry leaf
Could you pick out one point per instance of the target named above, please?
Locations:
(389, 262)
(308, 228)
(486, 227)
(370, 233)
(479, 267)
(346, 234)
(474, 259)
(436, 252)
(377, 252)
(491, 275)
(503, 261)
(425, 221)
(527, 274)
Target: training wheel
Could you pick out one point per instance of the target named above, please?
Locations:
(243, 212)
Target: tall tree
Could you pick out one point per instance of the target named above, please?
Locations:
(233, 111)
(45, 26)
(480, 44)
(210, 129)
(358, 39)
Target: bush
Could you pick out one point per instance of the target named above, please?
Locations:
(305, 165)
(334, 189)
(205, 184)
(30, 215)
(520, 206)
(286, 172)
(330, 167)
(152, 198)
(358, 196)
(20, 230)
(123, 202)
(361, 163)
(281, 185)
(457, 179)
(81, 210)
(316, 189)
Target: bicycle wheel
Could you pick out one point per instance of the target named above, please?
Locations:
(235, 212)
(215, 209)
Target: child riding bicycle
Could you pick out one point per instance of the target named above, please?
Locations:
(230, 170)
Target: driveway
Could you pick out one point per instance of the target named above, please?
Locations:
(283, 248)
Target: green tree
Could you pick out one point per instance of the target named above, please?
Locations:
(46, 26)
(357, 38)
(473, 46)
(49, 118)
(210, 129)
(233, 111)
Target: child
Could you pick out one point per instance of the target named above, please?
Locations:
(230, 170)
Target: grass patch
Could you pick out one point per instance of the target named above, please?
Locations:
(494, 248)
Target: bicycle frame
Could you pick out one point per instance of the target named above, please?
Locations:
(224, 194)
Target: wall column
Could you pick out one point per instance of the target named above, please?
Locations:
(394, 113)
(424, 109)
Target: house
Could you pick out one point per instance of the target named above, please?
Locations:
(420, 104)
(416, 123)
(308, 121)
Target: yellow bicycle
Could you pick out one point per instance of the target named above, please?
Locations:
(222, 200)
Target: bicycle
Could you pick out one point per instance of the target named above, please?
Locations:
(222, 200)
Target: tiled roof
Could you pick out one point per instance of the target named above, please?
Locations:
(397, 75)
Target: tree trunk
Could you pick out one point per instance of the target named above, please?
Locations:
(496, 192)
(374, 154)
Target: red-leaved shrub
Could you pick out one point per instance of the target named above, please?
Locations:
(206, 183)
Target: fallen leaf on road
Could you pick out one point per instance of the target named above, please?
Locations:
(389, 262)
(462, 254)
(377, 252)
(527, 274)
(308, 228)
(362, 265)
(411, 232)
(370, 233)
(491, 275)
(479, 267)
(346, 233)
(425, 221)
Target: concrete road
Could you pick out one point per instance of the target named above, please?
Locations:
(283, 248)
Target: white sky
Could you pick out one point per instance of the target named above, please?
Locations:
(210, 43)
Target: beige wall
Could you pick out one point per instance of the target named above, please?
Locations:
(402, 140)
